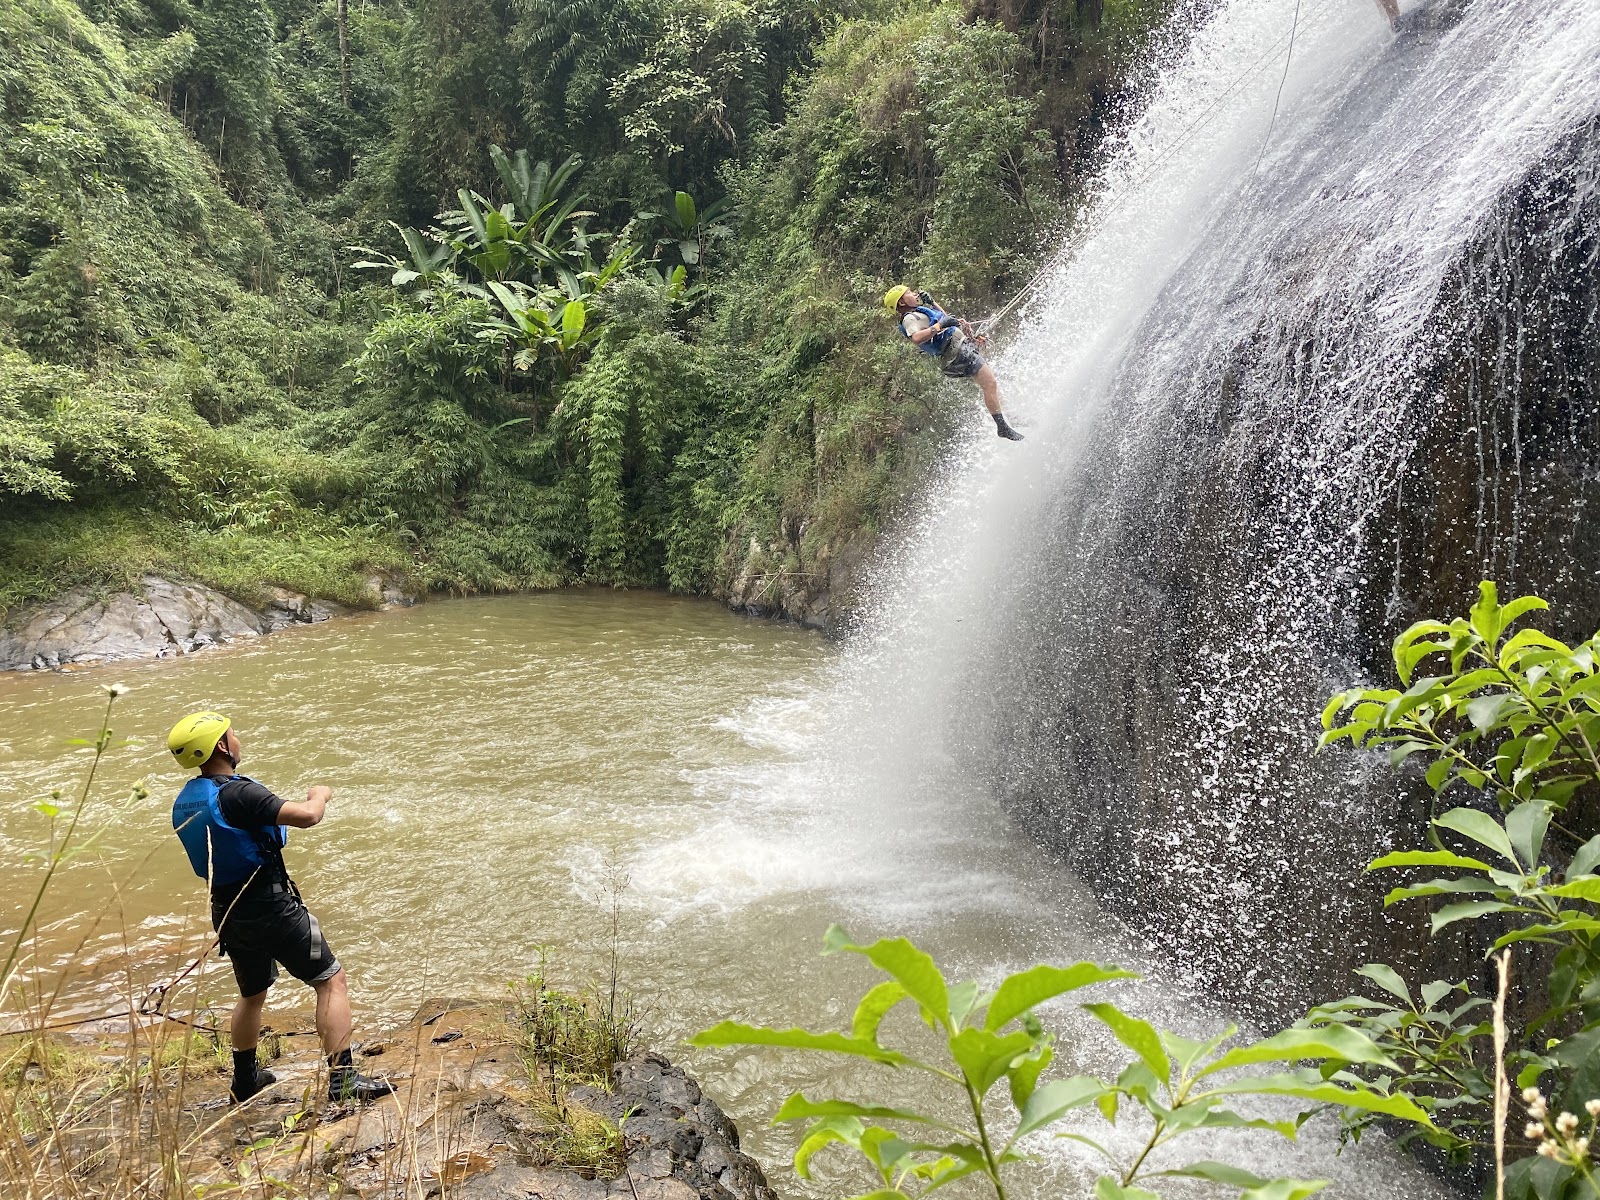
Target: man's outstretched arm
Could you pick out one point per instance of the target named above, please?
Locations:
(309, 811)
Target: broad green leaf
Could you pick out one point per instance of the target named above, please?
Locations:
(1426, 858)
(984, 1057)
(573, 319)
(898, 958)
(1585, 888)
(1024, 1076)
(846, 1131)
(1485, 614)
(688, 218)
(1331, 1041)
(1222, 1118)
(1485, 711)
(732, 1033)
(1439, 887)
(1219, 1173)
(1525, 827)
(797, 1108)
(1433, 992)
(1285, 1189)
(1022, 991)
(1337, 704)
(874, 1006)
(1138, 1036)
(1481, 828)
(962, 998)
(1466, 911)
(1387, 978)
(1548, 932)
(959, 1171)
(1299, 1087)
(1055, 1098)
(1107, 1188)
(1188, 1051)
(1407, 650)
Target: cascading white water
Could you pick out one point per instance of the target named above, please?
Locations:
(1302, 298)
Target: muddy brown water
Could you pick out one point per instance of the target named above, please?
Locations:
(512, 773)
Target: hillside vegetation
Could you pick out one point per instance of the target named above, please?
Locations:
(614, 316)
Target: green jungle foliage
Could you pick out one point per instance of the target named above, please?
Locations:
(623, 325)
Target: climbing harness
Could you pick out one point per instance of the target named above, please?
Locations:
(1082, 234)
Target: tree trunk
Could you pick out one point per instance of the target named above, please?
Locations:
(342, 18)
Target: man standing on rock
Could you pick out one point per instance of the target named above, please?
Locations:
(233, 830)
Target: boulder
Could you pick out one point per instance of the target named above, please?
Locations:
(161, 618)
(158, 619)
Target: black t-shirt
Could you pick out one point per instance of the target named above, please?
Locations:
(252, 807)
(246, 804)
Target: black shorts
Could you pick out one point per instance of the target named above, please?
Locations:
(262, 931)
(963, 362)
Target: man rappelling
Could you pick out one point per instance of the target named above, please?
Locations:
(233, 830)
(953, 341)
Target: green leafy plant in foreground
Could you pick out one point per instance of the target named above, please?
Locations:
(1509, 723)
(1174, 1086)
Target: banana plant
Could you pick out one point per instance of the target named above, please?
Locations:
(430, 261)
(538, 329)
(1175, 1085)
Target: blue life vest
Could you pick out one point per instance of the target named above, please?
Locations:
(936, 344)
(223, 853)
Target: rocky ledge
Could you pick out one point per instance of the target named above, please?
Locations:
(159, 619)
(470, 1123)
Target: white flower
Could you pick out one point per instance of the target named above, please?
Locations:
(1567, 1124)
(1537, 1109)
(1581, 1147)
(1549, 1149)
(118, 689)
(1534, 1132)
(1532, 1095)
(1592, 1108)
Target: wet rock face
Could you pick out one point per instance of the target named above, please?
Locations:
(1224, 562)
(680, 1143)
(160, 619)
(816, 585)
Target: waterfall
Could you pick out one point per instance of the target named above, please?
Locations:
(1324, 353)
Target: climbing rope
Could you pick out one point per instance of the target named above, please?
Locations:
(1097, 218)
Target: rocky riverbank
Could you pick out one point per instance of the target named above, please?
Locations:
(469, 1120)
(158, 619)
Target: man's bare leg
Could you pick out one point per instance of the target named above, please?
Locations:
(244, 1027)
(990, 386)
(333, 1014)
(345, 1083)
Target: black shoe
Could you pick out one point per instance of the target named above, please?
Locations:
(347, 1085)
(242, 1089)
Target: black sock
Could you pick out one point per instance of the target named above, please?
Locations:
(341, 1061)
(244, 1065)
(999, 420)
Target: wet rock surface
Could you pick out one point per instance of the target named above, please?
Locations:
(818, 586)
(469, 1122)
(158, 619)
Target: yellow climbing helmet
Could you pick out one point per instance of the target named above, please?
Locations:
(194, 739)
(891, 298)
